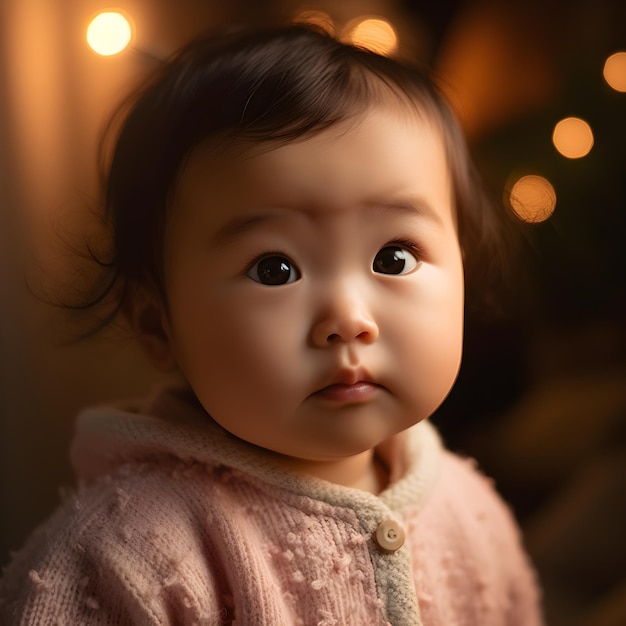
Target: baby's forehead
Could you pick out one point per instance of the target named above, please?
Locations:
(383, 157)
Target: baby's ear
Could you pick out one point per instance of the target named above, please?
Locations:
(147, 316)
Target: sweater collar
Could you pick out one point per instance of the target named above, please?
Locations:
(172, 424)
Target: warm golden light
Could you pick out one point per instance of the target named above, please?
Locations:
(573, 137)
(377, 35)
(108, 33)
(533, 198)
(317, 18)
(615, 71)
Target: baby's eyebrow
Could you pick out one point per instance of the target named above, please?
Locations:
(409, 206)
(240, 225)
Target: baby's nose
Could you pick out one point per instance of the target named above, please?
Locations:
(346, 320)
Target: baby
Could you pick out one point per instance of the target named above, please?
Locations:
(290, 218)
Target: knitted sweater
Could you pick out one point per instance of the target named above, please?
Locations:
(178, 522)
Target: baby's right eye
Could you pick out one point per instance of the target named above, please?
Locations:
(273, 270)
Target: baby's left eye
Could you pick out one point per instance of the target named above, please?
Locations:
(394, 260)
(273, 269)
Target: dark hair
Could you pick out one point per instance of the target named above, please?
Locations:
(275, 85)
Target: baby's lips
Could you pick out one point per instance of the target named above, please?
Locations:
(360, 391)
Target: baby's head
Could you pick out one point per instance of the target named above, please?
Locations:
(290, 217)
(260, 88)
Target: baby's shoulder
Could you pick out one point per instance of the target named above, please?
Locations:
(466, 511)
(118, 541)
(464, 487)
(145, 505)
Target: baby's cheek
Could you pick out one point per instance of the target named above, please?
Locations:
(431, 358)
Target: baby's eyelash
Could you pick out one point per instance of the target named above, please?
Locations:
(264, 255)
(410, 245)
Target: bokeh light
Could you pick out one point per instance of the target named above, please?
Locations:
(532, 198)
(573, 137)
(109, 33)
(615, 71)
(374, 34)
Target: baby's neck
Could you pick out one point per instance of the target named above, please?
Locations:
(375, 478)
(363, 471)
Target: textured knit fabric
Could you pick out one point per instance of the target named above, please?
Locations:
(178, 522)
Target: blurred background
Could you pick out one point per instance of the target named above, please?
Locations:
(540, 89)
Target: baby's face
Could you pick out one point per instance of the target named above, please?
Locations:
(315, 290)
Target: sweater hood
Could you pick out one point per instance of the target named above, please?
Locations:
(171, 424)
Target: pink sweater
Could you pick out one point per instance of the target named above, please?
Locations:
(177, 522)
